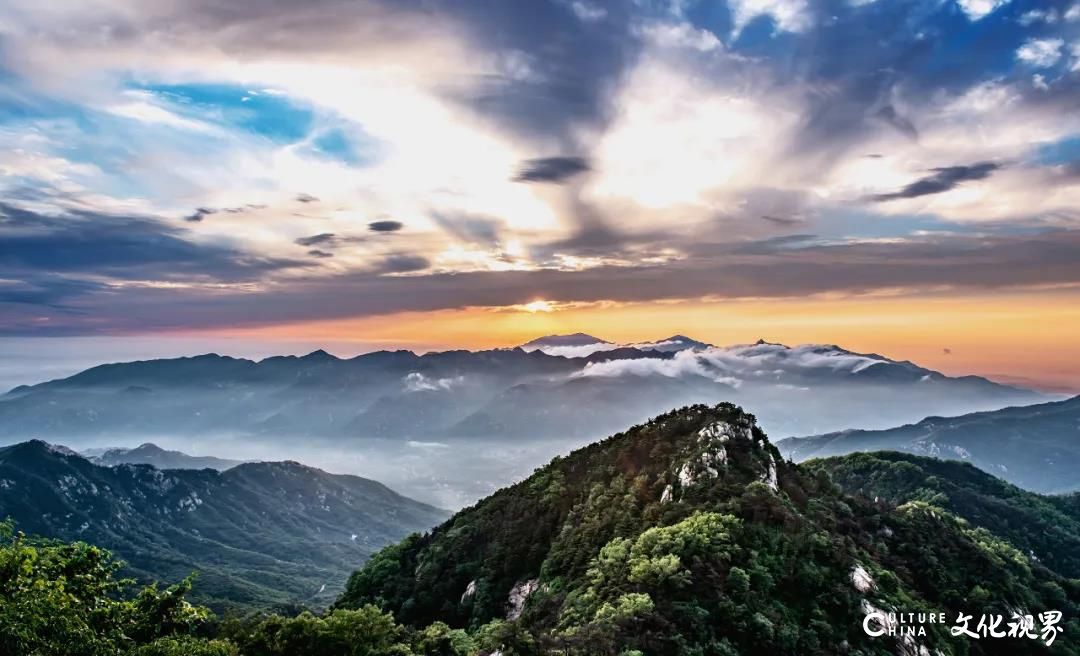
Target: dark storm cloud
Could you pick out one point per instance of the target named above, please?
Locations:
(385, 226)
(551, 169)
(325, 238)
(560, 70)
(129, 247)
(785, 268)
(943, 179)
(45, 289)
(319, 254)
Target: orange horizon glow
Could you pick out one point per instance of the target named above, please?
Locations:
(1025, 337)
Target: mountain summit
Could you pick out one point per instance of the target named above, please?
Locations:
(149, 453)
(690, 534)
(574, 339)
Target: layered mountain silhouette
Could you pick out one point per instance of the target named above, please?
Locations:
(152, 454)
(258, 534)
(691, 534)
(539, 392)
(1036, 447)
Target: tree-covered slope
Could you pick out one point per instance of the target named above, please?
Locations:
(690, 535)
(259, 534)
(1047, 528)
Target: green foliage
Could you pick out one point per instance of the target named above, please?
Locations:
(685, 536)
(366, 631)
(439, 639)
(166, 524)
(61, 599)
(1046, 527)
(186, 646)
(690, 535)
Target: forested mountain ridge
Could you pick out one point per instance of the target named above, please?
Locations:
(685, 535)
(690, 534)
(1046, 528)
(258, 534)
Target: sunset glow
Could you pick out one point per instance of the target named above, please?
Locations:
(384, 174)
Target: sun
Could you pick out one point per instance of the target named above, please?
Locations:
(538, 306)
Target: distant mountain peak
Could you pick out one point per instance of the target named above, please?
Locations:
(765, 342)
(573, 339)
(677, 343)
(149, 453)
(50, 447)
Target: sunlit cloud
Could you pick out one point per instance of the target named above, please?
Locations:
(258, 164)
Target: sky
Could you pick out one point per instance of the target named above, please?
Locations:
(257, 177)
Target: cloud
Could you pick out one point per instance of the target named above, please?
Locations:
(1034, 16)
(682, 35)
(551, 169)
(144, 108)
(404, 264)
(692, 138)
(385, 226)
(736, 365)
(684, 363)
(418, 382)
(584, 350)
(786, 15)
(588, 11)
(889, 114)
(1041, 53)
(45, 290)
(118, 246)
(324, 238)
(578, 351)
(977, 9)
(200, 214)
(781, 220)
(953, 261)
(942, 180)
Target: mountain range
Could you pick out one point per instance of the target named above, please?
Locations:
(152, 454)
(690, 534)
(539, 392)
(1036, 447)
(259, 534)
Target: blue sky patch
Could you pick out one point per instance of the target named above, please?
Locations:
(263, 112)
